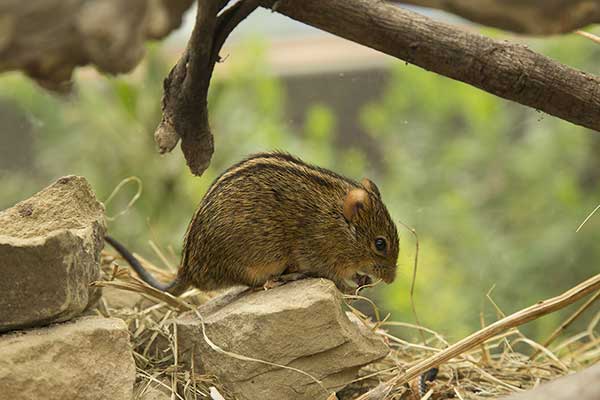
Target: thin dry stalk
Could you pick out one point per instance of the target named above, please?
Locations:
(590, 36)
(414, 276)
(133, 284)
(131, 202)
(356, 312)
(162, 257)
(595, 209)
(436, 335)
(484, 353)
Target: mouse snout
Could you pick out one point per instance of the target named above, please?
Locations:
(387, 274)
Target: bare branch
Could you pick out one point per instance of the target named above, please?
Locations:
(537, 17)
(184, 105)
(508, 70)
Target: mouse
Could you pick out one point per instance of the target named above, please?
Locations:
(272, 218)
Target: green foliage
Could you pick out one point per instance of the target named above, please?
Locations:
(494, 190)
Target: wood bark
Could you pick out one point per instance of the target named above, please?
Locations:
(536, 17)
(506, 69)
(110, 34)
(184, 103)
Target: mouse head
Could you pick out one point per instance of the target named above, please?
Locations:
(377, 242)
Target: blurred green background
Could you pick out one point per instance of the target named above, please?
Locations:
(495, 190)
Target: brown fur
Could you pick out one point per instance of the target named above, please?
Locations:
(272, 213)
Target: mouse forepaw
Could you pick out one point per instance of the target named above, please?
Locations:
(283, 279)
(291, 277)
(344, 288)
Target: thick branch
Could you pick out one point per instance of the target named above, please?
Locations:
(184, 105)
(537, 17)
(505, 69)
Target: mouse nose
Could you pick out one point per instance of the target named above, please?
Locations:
(389, 274)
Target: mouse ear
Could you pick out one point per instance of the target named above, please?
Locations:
(355, 200)
(370, 186)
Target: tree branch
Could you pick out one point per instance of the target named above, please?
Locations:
(508, 70)
(184, 104)
(537, 17)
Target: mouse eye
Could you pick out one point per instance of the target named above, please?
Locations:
(380, 244)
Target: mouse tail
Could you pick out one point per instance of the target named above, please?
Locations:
(177, 287)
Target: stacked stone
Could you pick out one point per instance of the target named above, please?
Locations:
(49, 254)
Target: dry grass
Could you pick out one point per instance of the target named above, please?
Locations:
(499, 365)
(494, 369)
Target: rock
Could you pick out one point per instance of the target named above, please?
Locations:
(110, 35)
(300, 325)
(584, 385)
(87, 358)
(49, 254)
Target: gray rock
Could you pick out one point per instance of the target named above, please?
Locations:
(301, 325)
(86, 359)
(584, 385)
(49, 254)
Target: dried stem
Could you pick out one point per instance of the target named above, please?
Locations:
(568, 322)
(590, 215)
(590, 36)
(131, 284)
(414, 278)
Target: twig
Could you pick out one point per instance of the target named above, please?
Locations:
(567, 322)
(133, 284)
(371, 302)
(414, 278)
(412, 326)
(519, 318)
(587, 218)
(488, 295)
(540, 348)
(162, 257)
(588, 35)
(131, 202)
(485, 357)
